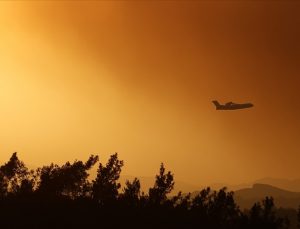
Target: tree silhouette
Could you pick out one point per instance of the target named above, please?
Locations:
(15, 178)
(164, 184)
(223, 207)
(200, 203)
(105, 186)
(264, 215)
(298, 217)
(131, 192)
(217, 209)
(181, 201)
(69, 180)
(63, 197)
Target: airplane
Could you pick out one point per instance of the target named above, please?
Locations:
(231, 105)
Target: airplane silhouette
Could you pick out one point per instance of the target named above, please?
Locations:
(231, 105)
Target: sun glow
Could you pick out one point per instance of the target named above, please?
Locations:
(138, 78)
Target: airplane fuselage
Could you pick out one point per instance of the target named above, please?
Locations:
(235, 106)
(232, 106)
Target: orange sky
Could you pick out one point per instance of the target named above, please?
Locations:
(138, 78)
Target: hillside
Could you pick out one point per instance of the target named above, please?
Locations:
(248, 196)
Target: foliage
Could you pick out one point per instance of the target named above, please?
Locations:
(163, 185)
(106, 186)
(64, 197)
(15, 178)
(69, 180)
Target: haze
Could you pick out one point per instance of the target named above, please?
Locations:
(138, 78)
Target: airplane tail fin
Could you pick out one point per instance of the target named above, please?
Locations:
(217, 104)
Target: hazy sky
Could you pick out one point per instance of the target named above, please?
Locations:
(138, 78)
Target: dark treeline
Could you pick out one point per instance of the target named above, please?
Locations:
(63, 197)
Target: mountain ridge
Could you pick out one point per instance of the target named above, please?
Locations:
(246, 197)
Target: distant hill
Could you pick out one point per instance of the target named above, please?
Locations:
(230, 187)
(288, 184)
(246, 197)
